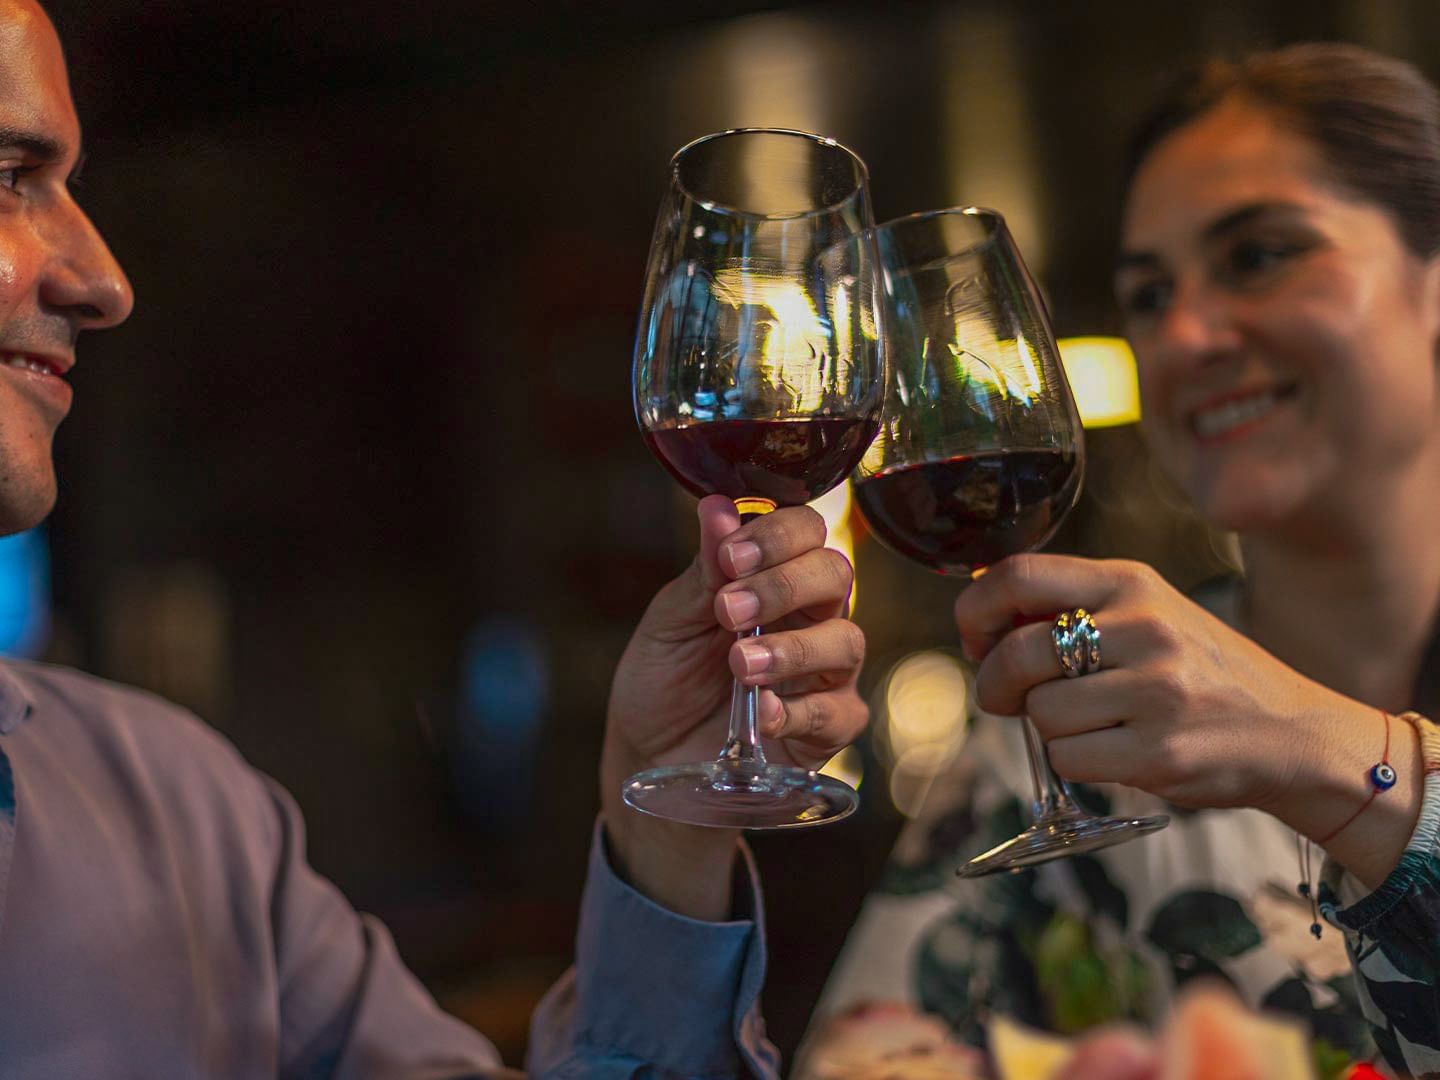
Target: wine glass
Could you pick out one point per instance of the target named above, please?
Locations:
(980, 451)
(758, 375)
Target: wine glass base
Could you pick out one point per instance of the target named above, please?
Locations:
(1046, 840)
(723, 795)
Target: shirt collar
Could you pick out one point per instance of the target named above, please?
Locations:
(16, 704)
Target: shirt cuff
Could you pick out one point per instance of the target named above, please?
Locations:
(662, 987)
(1416, 862)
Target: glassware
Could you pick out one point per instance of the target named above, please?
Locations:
(980, 452)
(758, 375)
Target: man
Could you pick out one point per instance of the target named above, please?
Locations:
(157, 915)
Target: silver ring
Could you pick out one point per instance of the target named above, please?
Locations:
(1077, 642)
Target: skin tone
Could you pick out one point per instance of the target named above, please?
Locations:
(57, 277)
(1286, 342)
(667, 705)
(671, 697)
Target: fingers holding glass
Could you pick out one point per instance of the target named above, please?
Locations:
(770, 540)
(830, 653)
(811, 728)
(815, 585)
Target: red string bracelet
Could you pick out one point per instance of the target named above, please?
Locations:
(1382, 778)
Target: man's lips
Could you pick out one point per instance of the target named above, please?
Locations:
(39, 363)
(43, 378)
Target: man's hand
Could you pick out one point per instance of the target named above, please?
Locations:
(670, 700)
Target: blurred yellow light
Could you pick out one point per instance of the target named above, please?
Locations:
(1102, 376)
(912, 776)
(835, 507)
(845, 767)
(926, 701)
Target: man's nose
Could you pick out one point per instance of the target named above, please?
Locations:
(82, 279)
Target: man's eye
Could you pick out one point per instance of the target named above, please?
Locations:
(10, 177)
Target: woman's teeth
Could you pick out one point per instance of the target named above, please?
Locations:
(1232, 414)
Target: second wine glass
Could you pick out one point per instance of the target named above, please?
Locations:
(980, 453)
(759, 376)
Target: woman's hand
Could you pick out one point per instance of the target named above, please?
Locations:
(670, 701)
(1183, 706)
(1187, 708)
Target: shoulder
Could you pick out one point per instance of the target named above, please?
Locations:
(130, 742)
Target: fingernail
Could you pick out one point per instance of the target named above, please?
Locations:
(740, 606)
(744, 556)
(772, 713)
(755, 656)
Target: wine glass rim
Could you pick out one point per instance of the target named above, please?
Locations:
(862, 178)
(984, 213)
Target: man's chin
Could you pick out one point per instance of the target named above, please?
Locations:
(24, 510)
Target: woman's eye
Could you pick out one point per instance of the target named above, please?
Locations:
(1256, 257)
(1147, 299)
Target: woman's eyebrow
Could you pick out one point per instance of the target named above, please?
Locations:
(1229, 222)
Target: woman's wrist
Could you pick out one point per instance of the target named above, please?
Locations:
(1333, 797)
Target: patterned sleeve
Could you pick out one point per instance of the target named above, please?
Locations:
(1393, 934)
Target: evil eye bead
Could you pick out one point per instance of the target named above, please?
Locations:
(1383, 776)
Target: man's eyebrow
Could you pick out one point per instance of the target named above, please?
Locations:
(33, 143)
(1216, 230)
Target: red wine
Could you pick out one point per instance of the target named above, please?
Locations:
(959, 515)
(788, 462)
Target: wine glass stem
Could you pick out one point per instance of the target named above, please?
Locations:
(742, 745)
(1053, 798)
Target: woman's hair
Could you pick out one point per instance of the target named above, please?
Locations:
(1375, 121)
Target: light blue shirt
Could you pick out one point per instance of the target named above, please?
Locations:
(158, 919)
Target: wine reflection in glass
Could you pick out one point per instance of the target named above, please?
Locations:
(758, 375)
(980, 452)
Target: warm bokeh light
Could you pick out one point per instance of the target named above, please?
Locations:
(1102, 376)
(912, 776)
(923, 723)
(845, 767)
(836, 506)
(990, 150)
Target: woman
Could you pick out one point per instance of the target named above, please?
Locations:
(1280, 280)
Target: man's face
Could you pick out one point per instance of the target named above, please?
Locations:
(56, 275)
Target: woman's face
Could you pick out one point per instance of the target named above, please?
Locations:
(1286, 339)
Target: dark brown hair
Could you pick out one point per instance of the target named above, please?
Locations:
(1375, 121)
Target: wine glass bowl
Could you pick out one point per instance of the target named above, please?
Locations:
(758, 375)
(980, 451)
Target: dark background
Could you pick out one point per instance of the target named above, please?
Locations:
(373, 403)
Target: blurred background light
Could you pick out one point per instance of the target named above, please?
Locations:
(836, 506)
(1102, 375)
(505, 698)
(924, 718)
(845, 766)
(988, 139)
(774, 65)
(24, 593)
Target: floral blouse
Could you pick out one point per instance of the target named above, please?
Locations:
(1083, 941)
